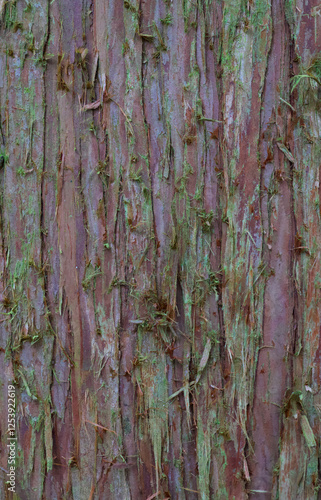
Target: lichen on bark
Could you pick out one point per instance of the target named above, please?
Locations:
(160, 236)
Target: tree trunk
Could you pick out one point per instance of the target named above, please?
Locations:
(160, 248)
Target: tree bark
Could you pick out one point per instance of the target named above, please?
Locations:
(160, 248)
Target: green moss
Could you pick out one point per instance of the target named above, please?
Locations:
(260, 11)
(167, 20)
(10, 15)
(203, 460)
(4, 157)
(289, 8)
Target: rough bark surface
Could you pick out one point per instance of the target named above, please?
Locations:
(160, 248)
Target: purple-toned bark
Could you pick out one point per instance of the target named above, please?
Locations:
(160, 267)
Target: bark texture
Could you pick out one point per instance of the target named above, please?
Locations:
(160, 248)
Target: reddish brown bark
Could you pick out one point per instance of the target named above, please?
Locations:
(160, 248)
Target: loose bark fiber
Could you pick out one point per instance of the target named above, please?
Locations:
(160, 242)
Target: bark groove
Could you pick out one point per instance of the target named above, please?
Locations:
(160, 247)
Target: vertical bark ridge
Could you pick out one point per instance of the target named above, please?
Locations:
(160, 235)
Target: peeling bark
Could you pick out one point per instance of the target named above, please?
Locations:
(160, 248)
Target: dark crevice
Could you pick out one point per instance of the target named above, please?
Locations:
(296, 319)
(43, 230)
(147, 128)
